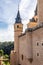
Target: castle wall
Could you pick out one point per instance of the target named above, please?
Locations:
(29, 44)
(22, 49)
(25, 49)
(13, 58)
(40, 10)
(31, 47)
(37, 42)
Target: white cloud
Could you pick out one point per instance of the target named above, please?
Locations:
(27, 8)
(8, 34)
(8, 13)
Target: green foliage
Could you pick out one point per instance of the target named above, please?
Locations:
(6, 56)
(6, 63)
(7, 47)
(1, 52)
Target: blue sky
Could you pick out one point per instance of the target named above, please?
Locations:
(8, 12)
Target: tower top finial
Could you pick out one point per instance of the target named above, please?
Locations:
(18, 6)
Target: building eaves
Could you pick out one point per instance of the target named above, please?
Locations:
(22, 34)
(31, 29)
(34, 28)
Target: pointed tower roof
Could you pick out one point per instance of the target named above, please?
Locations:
(18, 18)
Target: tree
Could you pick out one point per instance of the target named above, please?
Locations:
(7, 47)
(1, 52)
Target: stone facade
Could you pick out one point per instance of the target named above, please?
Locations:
(29, 45)
(40, 10)
(13, 58)
(18, 31)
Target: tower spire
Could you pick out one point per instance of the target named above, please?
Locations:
(18, 18)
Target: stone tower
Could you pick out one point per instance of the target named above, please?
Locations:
(40, 11)
(18, 28)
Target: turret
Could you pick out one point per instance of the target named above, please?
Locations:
(18, 28)
(33, 21)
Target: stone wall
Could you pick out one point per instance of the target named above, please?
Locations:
(31, 47)
(13, 58)
(40, 10)
(25, 48)
(37, 42)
